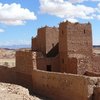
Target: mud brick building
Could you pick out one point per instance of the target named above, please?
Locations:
(61, 64)
(45, 44)
(46, 39)
(64, 49)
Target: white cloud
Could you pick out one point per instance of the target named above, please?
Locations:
(77, 1)
(1, 30)
(81, 1)
(14, 14)
(66, 10)
(97, 16)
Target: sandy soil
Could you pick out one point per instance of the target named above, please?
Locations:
(15, 92)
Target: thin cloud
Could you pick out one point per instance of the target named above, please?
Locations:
(77, 1)
(1, 30)
(96, 0)
(81, 1)
(14, 14)
(13, 42)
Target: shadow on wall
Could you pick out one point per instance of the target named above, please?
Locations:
(9, 75)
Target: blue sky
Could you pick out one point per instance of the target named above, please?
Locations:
(20, 19)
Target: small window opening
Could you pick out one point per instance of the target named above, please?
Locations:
(84, 31)
(63, 61)
(49, 68)
(62, 32)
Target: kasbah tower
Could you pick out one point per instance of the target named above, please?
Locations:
(75, 47)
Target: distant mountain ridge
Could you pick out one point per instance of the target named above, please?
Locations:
(16, 46)
(96, 46)
(28, 46)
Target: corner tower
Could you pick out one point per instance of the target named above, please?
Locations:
(75, 47)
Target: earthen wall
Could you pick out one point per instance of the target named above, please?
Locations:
(41, 40)
(25, 63)
(7, 74)
(34, 45)
(58, 86)
(96, 95)
(43, 62)
(52, 38)
(96, 63)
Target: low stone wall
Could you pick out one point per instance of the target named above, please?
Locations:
(96, 63)
(62, 86)
(25, 61)
(24, 79)
(10, 75)
(7, 74)
(96, 95)
(56, 86)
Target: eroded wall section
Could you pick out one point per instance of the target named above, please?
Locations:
(24, 67)
(60, 86)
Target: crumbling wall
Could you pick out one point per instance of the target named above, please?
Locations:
(96, 95)
(34, 45)
(24, 62)
(24, 80)
(24, 67)
(7, 74)
(63, 86)
(96, 63)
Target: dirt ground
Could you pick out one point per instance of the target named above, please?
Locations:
(15, 92)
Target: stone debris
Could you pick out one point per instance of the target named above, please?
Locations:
(15, 92)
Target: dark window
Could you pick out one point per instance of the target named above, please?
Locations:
(49, 68)
(63, 61)
(84, 31)
(62, 32)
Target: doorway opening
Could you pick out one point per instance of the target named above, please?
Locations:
(49, 68)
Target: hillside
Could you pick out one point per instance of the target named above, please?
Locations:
(7, 56)
(96, 49)
(7, 53)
